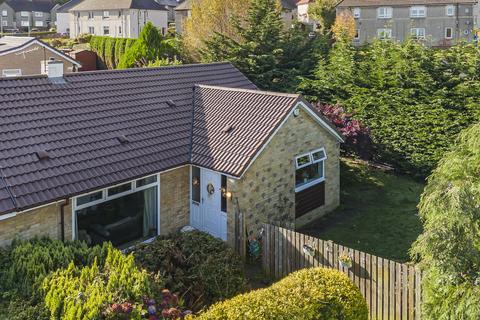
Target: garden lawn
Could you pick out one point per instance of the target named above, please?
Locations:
(378, 212)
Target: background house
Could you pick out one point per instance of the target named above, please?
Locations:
(303, 15)
(437, 22)
(116, 18)
(29, 56)
(170, 5)
(125, 155)
(25, 15)
(62, 19)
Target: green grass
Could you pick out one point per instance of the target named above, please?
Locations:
(378, 212)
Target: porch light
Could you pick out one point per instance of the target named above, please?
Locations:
(226, 194)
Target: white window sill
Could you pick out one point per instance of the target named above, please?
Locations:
(309, 185)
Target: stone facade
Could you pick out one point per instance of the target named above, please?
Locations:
(44, 221)
(266, 192)
(174, 199)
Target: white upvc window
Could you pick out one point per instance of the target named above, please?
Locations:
(91, 30)
(450, 10)
(357, 12)
(418, 12)
(120, 30)
(384, 12)
(25, 23)
(310, 169)
(4, 13)
(11, 72)
(357, 35)
(384, 33)
(38, 23)
(106, 30)
(4, 23)
(90, 15)
(418, 33)
(448, 33)
(24, 13)
(38, 14)
(106, 14)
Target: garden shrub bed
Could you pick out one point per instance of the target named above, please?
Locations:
(307, 294)
(50, 279)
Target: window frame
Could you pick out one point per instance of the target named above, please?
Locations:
(415, 36)
(25, 23)
(38, 14)
(450, 7)
(311, 162)
(24, 14)
(108, 30)
(106, 14)
(4, 13)
(451, 33)
(388, 12)
(384, 30)
(357, 12)
(417, 10)
(106, 197)
(5, 71)
(356, 37)
(38, 23)
(91, 30)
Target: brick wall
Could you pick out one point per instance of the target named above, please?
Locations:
(44, 221)
(174, 199)
(266, 193)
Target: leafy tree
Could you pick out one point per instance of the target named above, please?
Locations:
(344, 28)
(269, 55)
(323, 11)
(449, 247)
(209, 17)
(150, 46)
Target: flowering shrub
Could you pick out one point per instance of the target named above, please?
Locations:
(357, 136)
(168, 307)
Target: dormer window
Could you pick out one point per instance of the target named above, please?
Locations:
(384, 12)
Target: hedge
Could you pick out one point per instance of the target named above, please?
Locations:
(307, 294)
(109, 50)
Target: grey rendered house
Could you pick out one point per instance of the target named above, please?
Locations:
(126, 155)
(25, 15)
(438, 23)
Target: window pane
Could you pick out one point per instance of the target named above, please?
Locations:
(89, 198)
(319, 155)
(123, 220)
(224, 199)
(303, 160)
(119, 189)
(308, 174)
(146, 181)
(196, 184)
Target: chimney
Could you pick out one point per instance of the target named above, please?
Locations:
(55, 70)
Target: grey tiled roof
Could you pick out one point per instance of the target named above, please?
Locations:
(116, 5)
(78, 124)
(31, 5)
(231, 125)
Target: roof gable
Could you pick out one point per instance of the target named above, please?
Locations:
(78, 124)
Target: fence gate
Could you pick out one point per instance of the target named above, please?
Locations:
(392, 290)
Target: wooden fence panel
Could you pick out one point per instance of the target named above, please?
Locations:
(392, 290)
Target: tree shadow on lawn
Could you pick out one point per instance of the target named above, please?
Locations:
(378, 212)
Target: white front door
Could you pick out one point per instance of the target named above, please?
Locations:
(207, 215)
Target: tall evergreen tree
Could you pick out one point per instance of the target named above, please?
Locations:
(269, 55)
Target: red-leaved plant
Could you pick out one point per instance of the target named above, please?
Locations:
(357, 136)
(168, 307)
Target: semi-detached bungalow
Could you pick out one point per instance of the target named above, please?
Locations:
(126, 155)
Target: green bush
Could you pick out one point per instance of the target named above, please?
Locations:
(84, 293)
(414, 99)
(196, 265)
(449, 247)
(109, 50)
(307, 294)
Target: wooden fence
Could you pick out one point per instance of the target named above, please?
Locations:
(392, 290)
